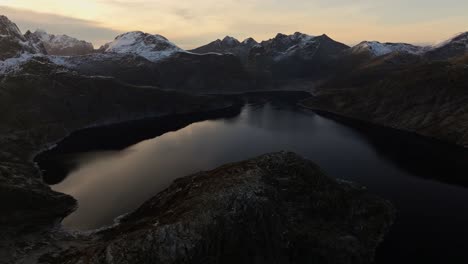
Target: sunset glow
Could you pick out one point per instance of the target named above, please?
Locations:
(192, 23)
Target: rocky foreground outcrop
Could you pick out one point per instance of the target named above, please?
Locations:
(277, 208)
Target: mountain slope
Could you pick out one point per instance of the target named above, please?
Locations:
(451, 48)
(61, 45)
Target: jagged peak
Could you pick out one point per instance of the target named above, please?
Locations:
(280, 36)
(8, 28)
(230, 40)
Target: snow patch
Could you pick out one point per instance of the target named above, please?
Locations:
(379, 49)
(12, 65)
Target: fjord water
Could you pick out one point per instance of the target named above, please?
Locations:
(424, 179)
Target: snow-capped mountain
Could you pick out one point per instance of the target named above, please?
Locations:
(453, 47)
(10, 29)
(301, 46)
(296, 56)
(152, 47)
(375, 48)
(61, 45)
(13, 43)
(230, 41)
(15, 49)
(281, 42)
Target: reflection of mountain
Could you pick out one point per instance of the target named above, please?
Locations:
(422, 157)
(57, 165)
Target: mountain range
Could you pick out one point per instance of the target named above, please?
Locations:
(341, 76)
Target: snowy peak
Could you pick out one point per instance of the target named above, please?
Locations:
(230, 41)
(282, 42)
(151, 47)
(61, 45)
(377, 49)
(9, 29)
(13, 44)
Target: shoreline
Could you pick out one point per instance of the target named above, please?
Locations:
(346, 118)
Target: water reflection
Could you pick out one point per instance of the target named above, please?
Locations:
(432, 214)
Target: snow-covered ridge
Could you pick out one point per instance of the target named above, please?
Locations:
(62, 45)
(63, 41)
(151, 47)
(12, 65)
(376, 48)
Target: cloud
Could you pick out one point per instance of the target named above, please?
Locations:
(57, 24)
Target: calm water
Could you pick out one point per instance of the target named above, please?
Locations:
(424, 179)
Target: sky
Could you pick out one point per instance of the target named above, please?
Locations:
(190, 23)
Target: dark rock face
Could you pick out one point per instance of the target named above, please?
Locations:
(277, 208)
